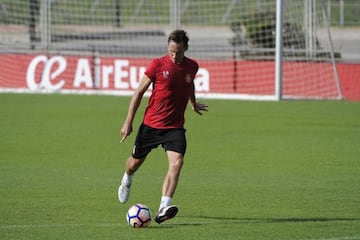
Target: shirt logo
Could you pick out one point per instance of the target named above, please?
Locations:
(166, 74)
(188, 78)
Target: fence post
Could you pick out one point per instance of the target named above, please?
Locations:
(341, 12)
(175, 14)
(45, 23)
(279, 50)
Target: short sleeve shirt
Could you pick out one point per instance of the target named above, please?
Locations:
(172, 86)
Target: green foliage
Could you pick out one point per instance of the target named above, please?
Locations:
(351, 13)
(253, 170)
(79, 12)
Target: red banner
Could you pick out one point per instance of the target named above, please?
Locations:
(57, 73)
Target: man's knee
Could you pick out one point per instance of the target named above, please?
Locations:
(133, 164)
(176, 161)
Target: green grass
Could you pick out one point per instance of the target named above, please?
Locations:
(254, 170)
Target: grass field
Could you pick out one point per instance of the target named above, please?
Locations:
(254, 170)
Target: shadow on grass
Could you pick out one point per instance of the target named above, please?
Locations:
(213, 220)
(278, 220)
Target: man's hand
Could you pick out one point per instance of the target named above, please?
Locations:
(198, 107)
(125, 131)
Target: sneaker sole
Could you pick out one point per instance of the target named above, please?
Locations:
(170, 213)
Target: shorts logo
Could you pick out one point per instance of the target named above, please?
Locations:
(188, 78)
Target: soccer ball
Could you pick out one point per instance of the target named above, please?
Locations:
(138, 216)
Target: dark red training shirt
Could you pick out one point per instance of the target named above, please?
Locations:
(172, 84)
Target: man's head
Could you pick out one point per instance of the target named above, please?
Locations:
(177, 45)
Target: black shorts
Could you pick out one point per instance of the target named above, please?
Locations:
(149, 138)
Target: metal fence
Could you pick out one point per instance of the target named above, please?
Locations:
(52, 24)
(343, 12)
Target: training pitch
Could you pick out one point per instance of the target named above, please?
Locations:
(253, 170)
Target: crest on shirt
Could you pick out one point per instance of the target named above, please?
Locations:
(188, 78)
(165, 74)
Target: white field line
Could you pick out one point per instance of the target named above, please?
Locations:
(28, 226)
(59, 225)
(119, 224)
(337, 238)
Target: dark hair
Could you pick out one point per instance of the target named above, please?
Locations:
(179, 36)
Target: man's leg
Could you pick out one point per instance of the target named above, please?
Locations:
(176, 161)
(132, 165)
(166, 211)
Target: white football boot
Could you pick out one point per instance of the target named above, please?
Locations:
(124, 192)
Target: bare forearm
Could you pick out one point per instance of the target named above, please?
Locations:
(192, 98)
(133, 107)
(197, 106)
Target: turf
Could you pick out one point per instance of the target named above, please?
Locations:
(254, 170)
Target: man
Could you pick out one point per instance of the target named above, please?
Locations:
(172, 78)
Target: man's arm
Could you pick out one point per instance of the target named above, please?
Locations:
(127, 127)
(196, 106)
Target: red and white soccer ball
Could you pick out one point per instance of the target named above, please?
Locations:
(138, 216)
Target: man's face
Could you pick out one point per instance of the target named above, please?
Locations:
(176, 52)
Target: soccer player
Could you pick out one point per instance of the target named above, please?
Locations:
(172, 78)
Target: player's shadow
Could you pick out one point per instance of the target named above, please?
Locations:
(210, 220)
